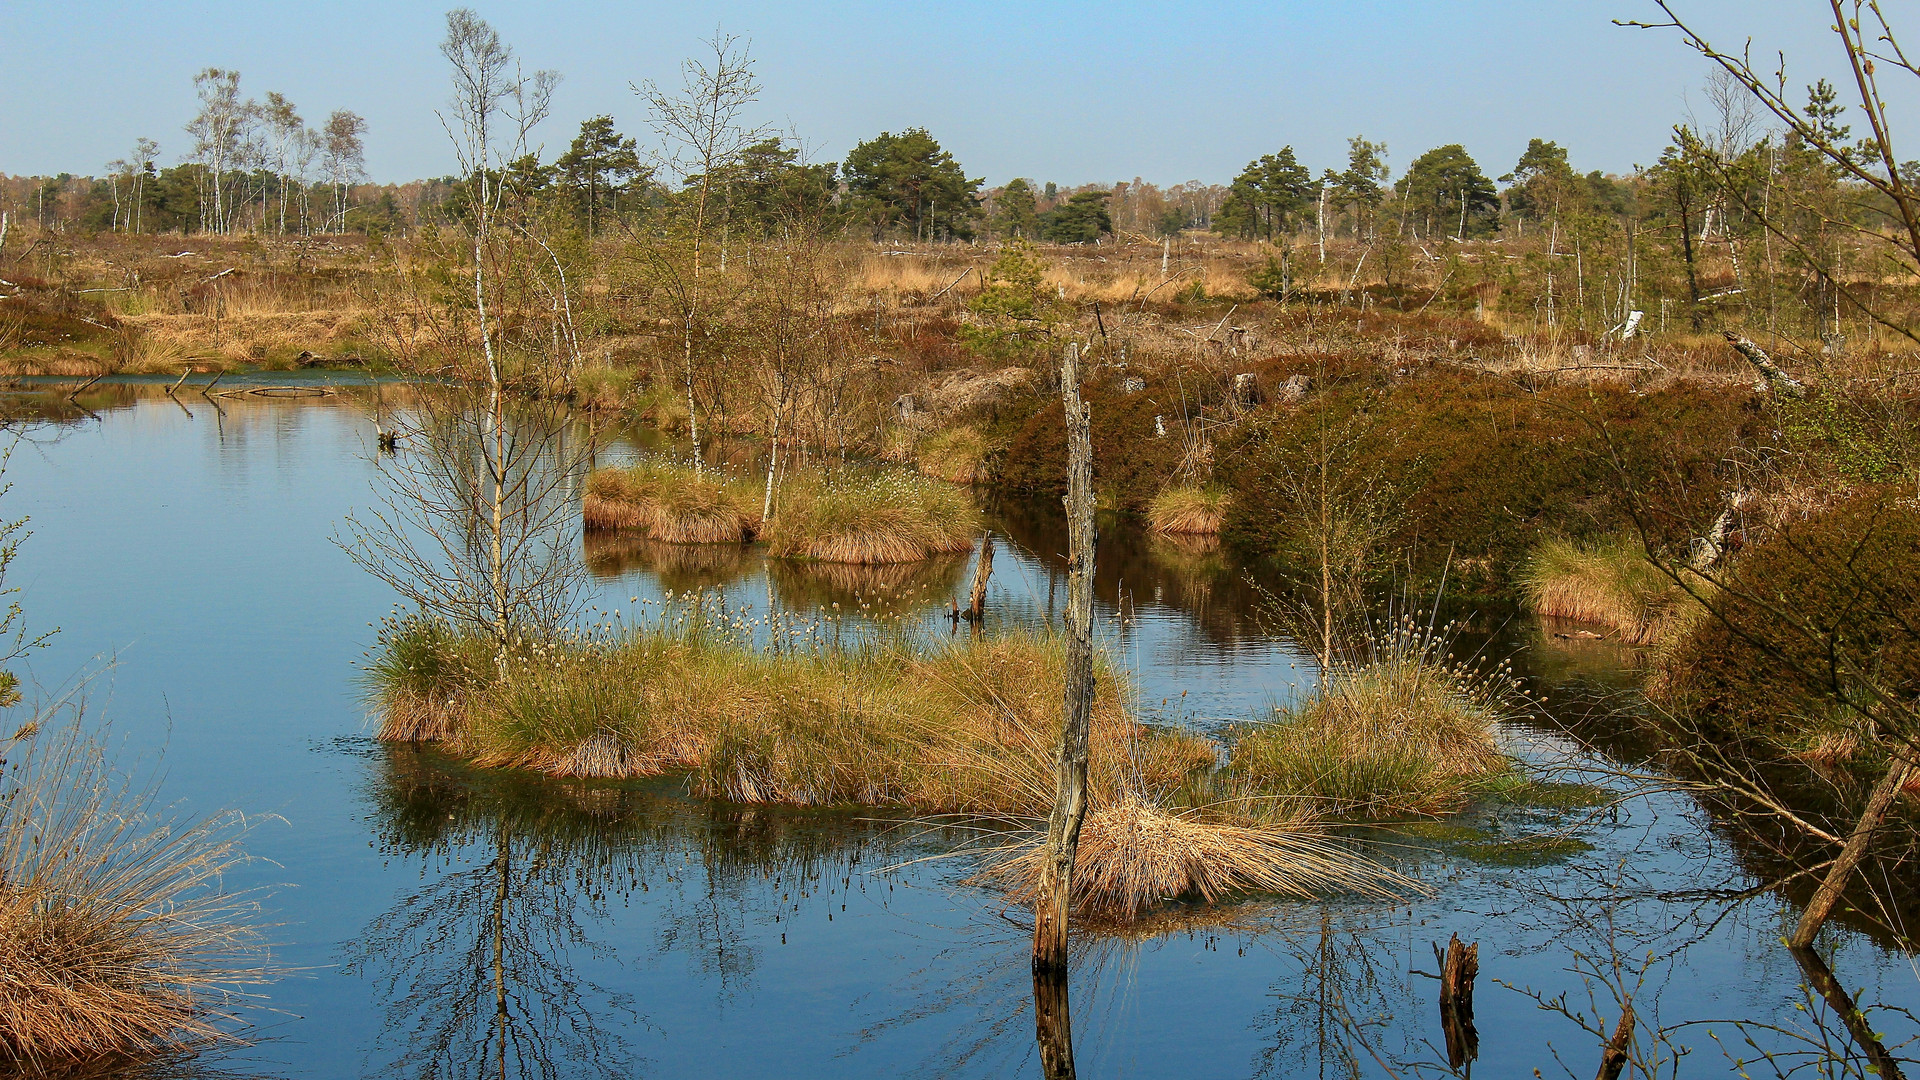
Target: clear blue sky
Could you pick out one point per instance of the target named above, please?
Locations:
(1066, 91)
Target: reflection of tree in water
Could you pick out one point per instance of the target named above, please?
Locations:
(985, 977)
(1350, 977)
(475, 966)
(1192, 576)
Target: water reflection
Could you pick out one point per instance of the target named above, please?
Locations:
(475, 968)
(676, 567)
(893, 589)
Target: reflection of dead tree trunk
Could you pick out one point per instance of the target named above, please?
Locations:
(1885, 1065)
(1459, 964)
(1879, 804)
(1053, 1018)
(1615, 1059)
(505, 866)
(1052, 898)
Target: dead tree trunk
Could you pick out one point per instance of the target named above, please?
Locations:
(977, 603)
(1777, 380)
(1052, 898)
(1879, 803)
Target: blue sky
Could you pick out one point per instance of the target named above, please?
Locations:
(1066, 91)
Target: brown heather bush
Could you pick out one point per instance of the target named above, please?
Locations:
(1814, 619)
(116, 942)
(671, 503)
(1188, 511)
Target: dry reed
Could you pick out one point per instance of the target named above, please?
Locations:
(957, 455)
(1134, 854)
(1404, 730)
(862, 518)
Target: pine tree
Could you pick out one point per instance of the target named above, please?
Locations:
(599, 165)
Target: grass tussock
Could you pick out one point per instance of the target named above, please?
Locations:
(968, 728)
(1188, 511)
(1134, 854)
(1404, 731)
(671, 504)
(871, 518)
(965, 728)
(1607, 583)
(115, 940)
(957, 455)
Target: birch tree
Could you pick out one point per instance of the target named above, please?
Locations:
(216, 131)
(283, 120)
(343, 156)
(702, 131)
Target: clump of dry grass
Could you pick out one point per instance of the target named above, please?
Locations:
(870, 518)
(1404, 730)
(957, 455)
(962, 728)
(671, 503)
(1134, 854)
(115, 940)
(1188, 511)
(1609, 582)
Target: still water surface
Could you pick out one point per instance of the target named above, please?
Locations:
(187, 555)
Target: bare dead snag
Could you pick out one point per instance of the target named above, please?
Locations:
(977, 602)
(1778, 381)
(1879, 804)
(1459, 965)
(1615, 1059)
(1051, 901)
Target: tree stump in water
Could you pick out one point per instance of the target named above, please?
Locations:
(977, 603)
